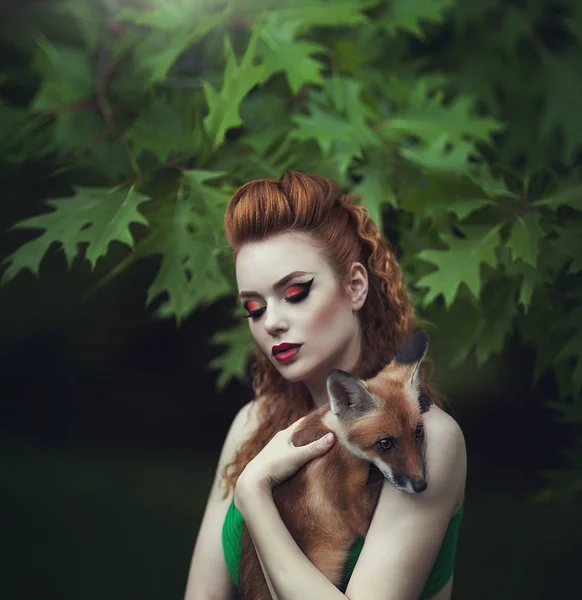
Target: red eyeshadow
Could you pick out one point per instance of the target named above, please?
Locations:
(252, 305)
(294, 289)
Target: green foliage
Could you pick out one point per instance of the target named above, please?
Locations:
(96, 216)
(464, 118)
(234, 361)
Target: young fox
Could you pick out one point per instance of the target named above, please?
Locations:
(330, 501)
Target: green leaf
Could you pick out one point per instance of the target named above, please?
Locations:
(175, 26)
(23, 137)
(325, 12)
(184, 230)
(531, 277)
(341, 119)
(239, 79)
(211, 201)
(465, 318)
(234, 361)
(569, 245)
(87, 15)
(267, 121)
(569, 195)
(439, 194)
(280, 51)
(494, 187)
(76, 130)
(110, 160)
(536, 329)
(66, 76)
(430, 119)
(167, 15)
(526, 233)
(440, 155)
(323, 127)
(374, 189)
(573, 348)
(563, 106)
(499, 310)
(408, 15)
(190, 273)
(460, 263)
(96, 216)
(161, 130)
(346, 95)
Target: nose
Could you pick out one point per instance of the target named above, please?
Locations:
(418, 485)
(275, 322)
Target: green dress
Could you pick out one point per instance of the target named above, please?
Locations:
(438, 578)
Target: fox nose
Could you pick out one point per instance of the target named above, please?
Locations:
(418, 485)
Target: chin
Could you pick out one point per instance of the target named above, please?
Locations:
(290, 373)
(295, 372)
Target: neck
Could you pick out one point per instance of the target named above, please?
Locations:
(318, 393)
(347, 361)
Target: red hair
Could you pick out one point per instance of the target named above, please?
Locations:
(345, 234)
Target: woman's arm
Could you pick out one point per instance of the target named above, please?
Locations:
(292, 576)
(289, 573)
(208, 577)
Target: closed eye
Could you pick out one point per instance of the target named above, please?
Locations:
(294, 293)
(255, 314)
(298, 291)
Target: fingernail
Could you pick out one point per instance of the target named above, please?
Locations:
(328, 439)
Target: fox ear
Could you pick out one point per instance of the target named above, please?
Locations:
(412, 354)
(348, 394)
(424, 402)
(414, 351)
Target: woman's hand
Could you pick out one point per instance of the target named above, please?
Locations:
(280, 459)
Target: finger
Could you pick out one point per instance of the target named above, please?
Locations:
(296, 424)
(322, 445)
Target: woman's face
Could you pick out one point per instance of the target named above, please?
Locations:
(293, 297)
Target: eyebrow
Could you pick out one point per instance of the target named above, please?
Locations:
(278, 284)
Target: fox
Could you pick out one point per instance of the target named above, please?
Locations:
(330, 501)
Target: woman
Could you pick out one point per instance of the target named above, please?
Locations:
(322, 290)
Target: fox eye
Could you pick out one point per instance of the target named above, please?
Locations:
(419, 431)
(386, 444)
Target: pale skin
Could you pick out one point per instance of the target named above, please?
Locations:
(407, 530)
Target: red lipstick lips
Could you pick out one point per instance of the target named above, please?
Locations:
(284, 352)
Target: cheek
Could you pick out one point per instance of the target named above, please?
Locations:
(330, 314)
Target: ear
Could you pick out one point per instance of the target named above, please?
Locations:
(347, 394)
(412, 354)
(358, 285)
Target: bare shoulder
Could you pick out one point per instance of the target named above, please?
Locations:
(443, 427)
(241, 428)
(444, 431)
(243, 425)
(446, 453)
